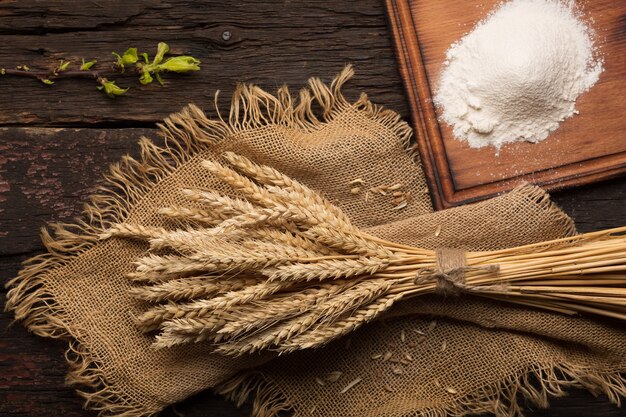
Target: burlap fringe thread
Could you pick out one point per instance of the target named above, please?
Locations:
(185, 134)
(534, 384)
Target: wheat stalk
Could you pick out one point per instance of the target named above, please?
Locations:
(284, 269)
(192, 288)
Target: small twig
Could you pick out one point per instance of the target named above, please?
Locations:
(50, 75)
(140, 63)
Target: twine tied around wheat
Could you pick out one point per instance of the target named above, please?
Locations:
(276, 266)
(449, 273)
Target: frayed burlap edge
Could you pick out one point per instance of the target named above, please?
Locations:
(537, 196)
(535, 384)
(185, 134)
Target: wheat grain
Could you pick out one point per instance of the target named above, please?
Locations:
(400, 206)
(350, 385)
(334, 376)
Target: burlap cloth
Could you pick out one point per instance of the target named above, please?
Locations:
(478, 356)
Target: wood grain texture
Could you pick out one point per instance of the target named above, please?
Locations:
(300, 39)
(586, 148)
(46, 171)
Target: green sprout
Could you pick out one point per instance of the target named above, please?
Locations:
(128, 58)
(179, 64)
(63, 66)
(146, 70)
(86, 66)
(110, 88)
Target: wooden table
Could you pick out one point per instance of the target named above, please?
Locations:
(54, 141)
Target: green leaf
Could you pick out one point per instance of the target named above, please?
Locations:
(158, 77)
(63, 65)
(145, 57)
(145, 78)
(130, 56)
(110, 89)
(47, 81)
(162, 49)
(180, 64)
(86, 66)
(3, 71)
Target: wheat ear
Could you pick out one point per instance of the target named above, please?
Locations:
(192, 288)
(352, 298)
(324, 334)
(188, 330)
(269, 176)
(265, 313)
(325, 269)
(250, 190)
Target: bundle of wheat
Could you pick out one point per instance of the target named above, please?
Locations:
(282, 268)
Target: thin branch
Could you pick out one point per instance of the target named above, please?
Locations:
(51, 75)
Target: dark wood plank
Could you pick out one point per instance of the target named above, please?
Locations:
(302, 40)
(45, 174)
(41, 16)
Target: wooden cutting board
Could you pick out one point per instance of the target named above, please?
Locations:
(588, 147)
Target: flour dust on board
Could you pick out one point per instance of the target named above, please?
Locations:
(518, 74)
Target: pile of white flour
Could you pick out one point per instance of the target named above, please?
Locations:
(518, 73)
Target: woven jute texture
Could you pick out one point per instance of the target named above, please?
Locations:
(429, 356)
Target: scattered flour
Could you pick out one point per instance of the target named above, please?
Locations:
(518, 74)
